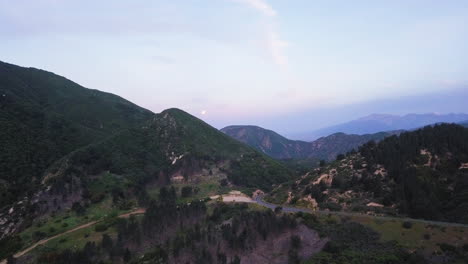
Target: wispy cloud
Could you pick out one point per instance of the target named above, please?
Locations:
(272, 40)
(260, 5)
(276, 45)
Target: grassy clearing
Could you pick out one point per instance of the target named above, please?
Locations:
(60, 223)
(419, 236)
(75, 240)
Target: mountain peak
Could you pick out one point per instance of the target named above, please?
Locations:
(376, 116)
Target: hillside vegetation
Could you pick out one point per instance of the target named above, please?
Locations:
(66, 146)
(44, 116)
(421, 174)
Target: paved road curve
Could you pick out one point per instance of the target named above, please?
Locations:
(259, 200)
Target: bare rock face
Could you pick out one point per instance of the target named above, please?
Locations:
(12, 218)
(275, 251)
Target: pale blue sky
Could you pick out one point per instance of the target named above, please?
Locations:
(248, 61)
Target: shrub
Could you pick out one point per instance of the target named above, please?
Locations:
(38, 235)
(340, 157)
(447, 248)
(331, 247)
(223, 182)
(295, 242)
(465, 248)
(9, 246)
(407, 225)
(100, 227)
(330, 206)
(186, 191)
(78, 208)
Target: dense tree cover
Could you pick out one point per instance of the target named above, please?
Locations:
(230, 229)
(160, 216)
(252, 171)
(428, 188)
(9, 246)
(182, 232)
(44, 116)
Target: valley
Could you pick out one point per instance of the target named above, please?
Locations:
(436, 232)
(279, 147)
(89, 177)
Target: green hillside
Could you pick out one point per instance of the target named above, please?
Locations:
(173, 143)
(63, 144)
(44, 116)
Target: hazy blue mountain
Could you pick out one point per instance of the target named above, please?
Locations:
(384, 122)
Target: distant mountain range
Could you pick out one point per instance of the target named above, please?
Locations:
(383, 122)
(279, 147)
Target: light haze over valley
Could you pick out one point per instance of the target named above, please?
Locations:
(233, 132)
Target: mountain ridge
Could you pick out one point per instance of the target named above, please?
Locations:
(374, 123)
(279, 147)
(60, 140)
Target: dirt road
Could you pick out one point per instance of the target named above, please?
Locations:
(45, 240)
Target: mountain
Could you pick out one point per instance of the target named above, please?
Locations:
(267, 141)
(44, 116)
(382, 122)
(421, 174)
(279, 147)
(61, 142)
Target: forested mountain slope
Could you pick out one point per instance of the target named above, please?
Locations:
(422, 174)
(44, 116)
(58, 139)
(172, 144)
